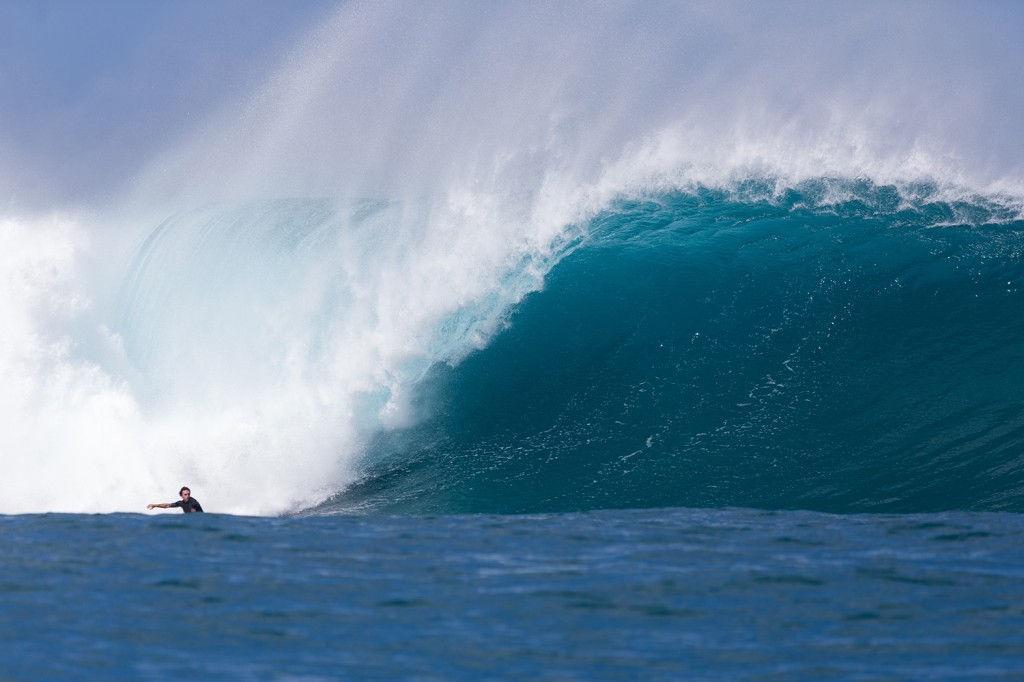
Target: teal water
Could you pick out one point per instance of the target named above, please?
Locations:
(667, 594)
(840, 346)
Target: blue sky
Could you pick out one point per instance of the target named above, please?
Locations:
(89, 88)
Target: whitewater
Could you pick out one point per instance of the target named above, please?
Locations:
(271, 297)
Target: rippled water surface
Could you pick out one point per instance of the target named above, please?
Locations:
(610, 595)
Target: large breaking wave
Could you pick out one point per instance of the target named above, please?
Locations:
(450, 257)
(712, 348)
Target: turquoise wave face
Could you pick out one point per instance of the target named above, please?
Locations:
(712, 348)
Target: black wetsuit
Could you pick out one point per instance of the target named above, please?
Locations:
(191, 506)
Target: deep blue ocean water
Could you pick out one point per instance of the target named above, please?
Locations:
(665, 594)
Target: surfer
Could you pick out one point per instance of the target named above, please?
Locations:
(187, 503)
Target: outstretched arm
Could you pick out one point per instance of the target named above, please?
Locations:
(162, 505)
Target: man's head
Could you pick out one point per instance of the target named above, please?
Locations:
(185, 492)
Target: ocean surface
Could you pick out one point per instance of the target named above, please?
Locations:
(507, 341)
(664, 594)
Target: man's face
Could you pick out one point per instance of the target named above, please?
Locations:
(185, 494)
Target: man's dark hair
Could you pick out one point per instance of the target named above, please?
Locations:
(183, 489)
